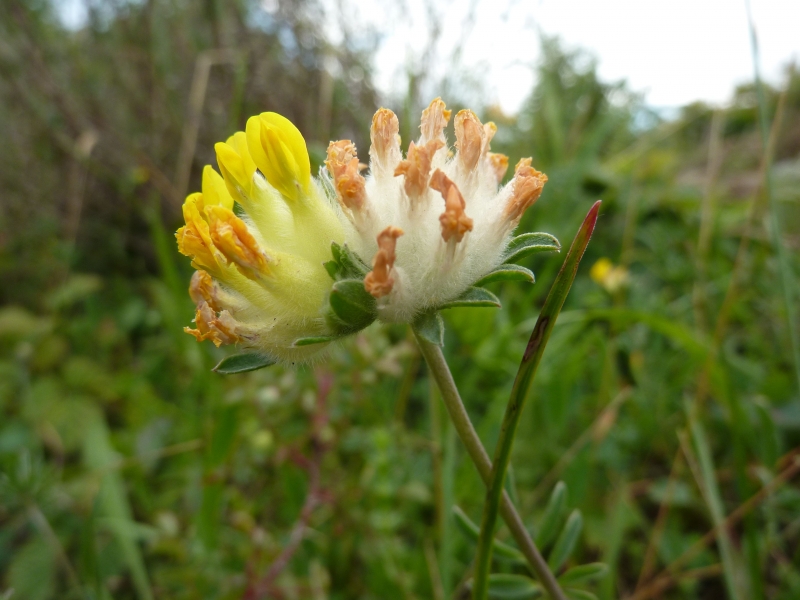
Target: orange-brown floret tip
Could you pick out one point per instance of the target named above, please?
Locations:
(499, 163)
(344, 167)
(417, 167)
(527, 187)
(203, 289)
(455, 223)
(470, 138)
(219, 329)
(489, 130)
(434, 120)
(379, 282)
(236, 243)
(384, 136)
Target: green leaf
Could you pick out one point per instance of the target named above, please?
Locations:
(332, 267)
(502, 551)
(588, 572)
(352, 264)
(346, 264)
(530, 243)
(32, 570)
(225, 425)
(474, 297)
(430, 326)
(336, 252)
(513, 587)
(310, 341)
(576, 594)
(241, 363)
(353, 307)
(507, 272)
(522, 382)
(565, 543)
(551, 520)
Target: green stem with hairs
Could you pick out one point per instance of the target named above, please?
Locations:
(527, 370)
(458, 415)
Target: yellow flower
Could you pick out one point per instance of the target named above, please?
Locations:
(282, 257)
(611, 277)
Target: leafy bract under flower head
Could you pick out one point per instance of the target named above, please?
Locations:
(304, 260)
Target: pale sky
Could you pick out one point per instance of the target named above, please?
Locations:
(674, 52)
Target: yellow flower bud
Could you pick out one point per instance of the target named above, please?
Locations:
(236, 164)
(279, 151)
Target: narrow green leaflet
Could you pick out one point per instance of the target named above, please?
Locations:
(583, 573)
(470, 529)
(474, 297)
(576, 594)
(552, 518)
(565, 543)
(531, 243)
(310, 341)
(513, 587)
(241, 363)
(430, 326)
(507, 272)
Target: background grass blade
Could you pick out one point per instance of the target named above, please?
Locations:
(527, 370)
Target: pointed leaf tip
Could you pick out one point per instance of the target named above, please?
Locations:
(430, 326)
(242, 363)
(474, 297)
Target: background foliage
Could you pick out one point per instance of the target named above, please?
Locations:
(667, 400)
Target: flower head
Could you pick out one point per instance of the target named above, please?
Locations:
(289, 269)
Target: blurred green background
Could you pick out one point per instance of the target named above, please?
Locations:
(668, 399)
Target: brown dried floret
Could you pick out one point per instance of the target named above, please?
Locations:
(454, 221)
(385, 137)
(417, 167)
(499, 164)
(219, 329)
(527, 187)
(203, 289)
(343, 165)
(379, 282)
(434, 120)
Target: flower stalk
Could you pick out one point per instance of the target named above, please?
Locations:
(435, 360)
(495, 495)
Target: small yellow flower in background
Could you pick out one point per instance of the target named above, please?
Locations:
(612, 278)
(304, 260)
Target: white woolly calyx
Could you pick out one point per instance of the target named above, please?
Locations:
(434, 221)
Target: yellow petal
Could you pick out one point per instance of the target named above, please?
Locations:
(194, 239)
(236, 165)
(279, 151)
(215, 193)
